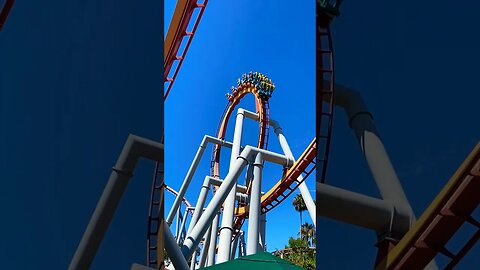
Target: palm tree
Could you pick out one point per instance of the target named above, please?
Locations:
(300, 206)
(308, 233)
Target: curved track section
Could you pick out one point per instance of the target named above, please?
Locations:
(261, 87)
(184, 200)
(304, 166)
(325, 94)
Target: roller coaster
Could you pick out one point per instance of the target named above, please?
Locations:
(245, 197)
(248, 198)
(403, 241)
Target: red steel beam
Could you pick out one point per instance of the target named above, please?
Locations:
(176, 32)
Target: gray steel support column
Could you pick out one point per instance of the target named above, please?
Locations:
(226, 230)
(192, 240)
(213, 241)
(206, 246)
(242, 245)
(263, 226)
(361, 121)
(135, 147)
(193, 261)
(174, 252)
(307, 198)
(234, 247)
(255, 207)
(217, 182)
(179, 221)
(359, 209)
(182, 227)
(200, 203)
(213, 207)
(248, 175)
(191, 172)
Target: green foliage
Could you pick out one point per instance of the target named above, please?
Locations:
(307, 233)
(300, 206)
(300, 254)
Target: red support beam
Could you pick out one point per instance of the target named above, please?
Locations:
(182, 16)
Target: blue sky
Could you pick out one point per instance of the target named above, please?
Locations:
(232, 40)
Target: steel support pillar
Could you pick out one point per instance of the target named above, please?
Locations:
(307, 198)
(182, 233)
(200, 203)
(206, 245)
(192, 240)
(359, 209)
(179, 221)
(361, 121)
(242, 250)
(234, 247)
(191, 172)
(213, 241)
(134, 149)
(193, 261)
(174, 252)
(255, 206)
(226, 230)
(263, 226)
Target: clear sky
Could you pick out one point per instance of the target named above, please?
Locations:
(77, 77)
(231, 40)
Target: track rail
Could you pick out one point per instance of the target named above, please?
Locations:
(4, 11)
(304, 166)
(155, 215)
(262, 108)
(452, 207)
(325, 95)
(184, 200)
(181, 19)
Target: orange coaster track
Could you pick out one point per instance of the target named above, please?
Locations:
(176, 32)
(452, 207)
